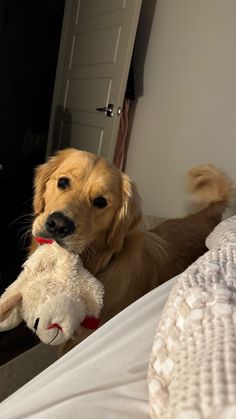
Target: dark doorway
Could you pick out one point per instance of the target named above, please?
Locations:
(29, 42)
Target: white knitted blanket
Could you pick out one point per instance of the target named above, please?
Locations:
(192, 369)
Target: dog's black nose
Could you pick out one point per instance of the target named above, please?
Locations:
(59, 226)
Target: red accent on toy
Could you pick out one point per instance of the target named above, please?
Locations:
(42, 240)
(90, 323)
(55, 326)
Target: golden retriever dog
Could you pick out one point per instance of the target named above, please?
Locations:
(92, 209)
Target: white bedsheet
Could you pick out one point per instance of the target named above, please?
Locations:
(102, 378)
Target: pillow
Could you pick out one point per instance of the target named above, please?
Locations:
(192, 368)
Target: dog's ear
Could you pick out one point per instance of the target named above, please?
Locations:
(127, 217)
(42, 175)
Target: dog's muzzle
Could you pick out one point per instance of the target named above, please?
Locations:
(59, 225)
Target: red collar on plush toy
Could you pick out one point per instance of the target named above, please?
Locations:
(42, 240)
(89, 322)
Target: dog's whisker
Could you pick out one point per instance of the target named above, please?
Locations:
(25, 223)
(86, 253)
(22, 241)
(26, 201)
(24, 237)
(25, 227)
(90, 252)
(30, 217)
(93, 250)
(22, 230)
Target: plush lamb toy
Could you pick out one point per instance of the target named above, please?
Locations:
(53, 294)
(192, 369)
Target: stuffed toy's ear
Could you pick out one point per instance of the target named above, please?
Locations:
(92, 293)
(9, 312)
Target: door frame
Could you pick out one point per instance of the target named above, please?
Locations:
(56, 107)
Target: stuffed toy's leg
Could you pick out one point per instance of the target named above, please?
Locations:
(10, 316)
(11, 305)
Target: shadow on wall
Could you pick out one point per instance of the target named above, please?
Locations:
(141, 44)
(138, 62)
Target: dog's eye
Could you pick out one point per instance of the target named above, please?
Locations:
(100, 202)
(63, 182)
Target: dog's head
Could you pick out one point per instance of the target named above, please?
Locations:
(81, 200)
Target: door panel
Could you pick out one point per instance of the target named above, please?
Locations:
(93, 70)
(98, 7)
(89, 47)
(84, 95)
(84, 137)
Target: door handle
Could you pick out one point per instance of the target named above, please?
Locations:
(108, 110)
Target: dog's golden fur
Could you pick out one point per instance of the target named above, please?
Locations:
(114, 245)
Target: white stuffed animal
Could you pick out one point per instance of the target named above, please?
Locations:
(53, 294)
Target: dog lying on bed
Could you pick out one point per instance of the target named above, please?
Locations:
(92, 209)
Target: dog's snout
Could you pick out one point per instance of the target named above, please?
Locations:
(59, 226)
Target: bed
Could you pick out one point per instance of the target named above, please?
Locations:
(169, 355)
(103, 377)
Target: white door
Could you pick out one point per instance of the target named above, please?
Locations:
(94, 59)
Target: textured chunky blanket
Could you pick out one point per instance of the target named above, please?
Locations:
(192, 369)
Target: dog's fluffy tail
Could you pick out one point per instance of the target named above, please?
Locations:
(208, 185)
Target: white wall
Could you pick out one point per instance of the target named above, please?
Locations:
(187, 115)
